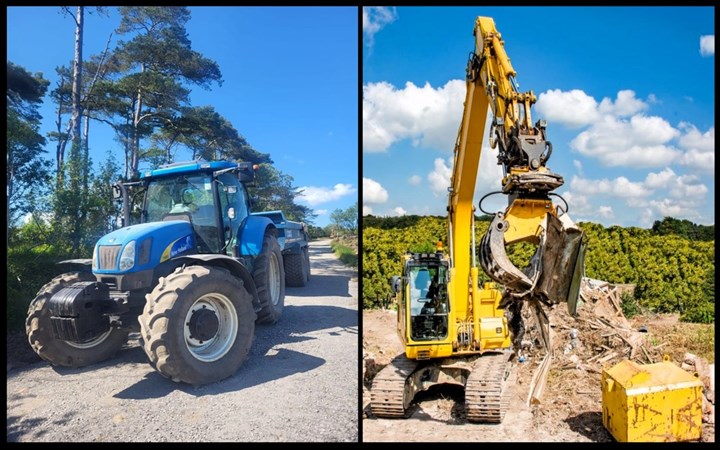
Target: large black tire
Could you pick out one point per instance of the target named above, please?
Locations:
(57, 351)
(306, 252)
(219, 339)
(269, 277)
(295, 270)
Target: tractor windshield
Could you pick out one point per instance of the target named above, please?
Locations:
(185, 197)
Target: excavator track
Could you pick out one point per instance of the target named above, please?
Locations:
(485, 396)
(389, 391)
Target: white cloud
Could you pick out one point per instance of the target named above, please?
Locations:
(373, 192)
(415, 180)
(399, 211)
(576, 109)
(624, 105)
(374, 19)
(707, 45)
(367, 210)
(619, 187)
(660, 180)
(427, 116)
(606, 212)
(699, 148)
(571, 108)
(679, 209)
(439, 178)
(313, 195)
(320, 212)
(685, 194)
(641, 141)
(578, 166)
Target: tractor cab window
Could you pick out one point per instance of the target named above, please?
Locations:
(185, 197)
(234, 207)
(428, 302)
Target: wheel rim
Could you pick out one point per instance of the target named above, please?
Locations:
(274, 279)
(92, 342)
(208, 349)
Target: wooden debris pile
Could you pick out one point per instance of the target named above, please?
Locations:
(706, 372)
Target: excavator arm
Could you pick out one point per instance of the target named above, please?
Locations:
(554, 272)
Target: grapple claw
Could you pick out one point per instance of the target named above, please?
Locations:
(554, 273)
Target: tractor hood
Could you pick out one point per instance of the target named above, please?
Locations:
(153, 243)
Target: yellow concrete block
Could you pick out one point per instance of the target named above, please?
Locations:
(651, 403)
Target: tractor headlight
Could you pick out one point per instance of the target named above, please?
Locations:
(127, 258)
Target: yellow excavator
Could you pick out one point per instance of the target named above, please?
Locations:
(454, 330)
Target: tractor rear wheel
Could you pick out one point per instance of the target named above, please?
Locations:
(198, 325)
(66, 353)
(269, 277)
(295, 269)
(306, 253)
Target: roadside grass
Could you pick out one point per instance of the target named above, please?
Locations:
(346, 254)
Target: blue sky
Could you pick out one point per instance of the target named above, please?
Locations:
(290, 84)
(628, 93)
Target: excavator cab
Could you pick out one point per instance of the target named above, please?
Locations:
(428, 299)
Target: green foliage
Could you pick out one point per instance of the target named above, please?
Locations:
(27, 172)
(318, 232)
(346, 220)
(207, 135)
(30, 264)
(671, 274)
(274, 191)
(629, 305)
(346, 254)
(683, 228)
(382, 251)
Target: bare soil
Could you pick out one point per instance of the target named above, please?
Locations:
(570, 409)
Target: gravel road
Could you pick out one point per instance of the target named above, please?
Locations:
(299, 383)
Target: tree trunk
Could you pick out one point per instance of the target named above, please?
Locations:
(136, 125)
(77, 76)
(62, 142)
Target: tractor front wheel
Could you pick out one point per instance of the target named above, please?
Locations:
(66, 353)
(198, 325)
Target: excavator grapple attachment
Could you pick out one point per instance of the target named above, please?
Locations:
(496, 263)
(562, 262)
(555, 270)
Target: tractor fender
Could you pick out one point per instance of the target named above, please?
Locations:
(233, 265)
(252, 233)
(294, 248)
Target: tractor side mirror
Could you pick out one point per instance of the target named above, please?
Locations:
(116, 192)
(395, 284)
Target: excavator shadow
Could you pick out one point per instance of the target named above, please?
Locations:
(443, 403)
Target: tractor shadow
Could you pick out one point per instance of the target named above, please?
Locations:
(268, 359)
(322, 286)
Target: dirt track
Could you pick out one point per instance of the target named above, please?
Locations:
(299, 383)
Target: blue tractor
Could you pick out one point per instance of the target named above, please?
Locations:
(192, 269)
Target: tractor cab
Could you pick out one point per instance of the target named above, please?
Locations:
(210, 196)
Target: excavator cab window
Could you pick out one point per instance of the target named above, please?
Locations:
(428, 302)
